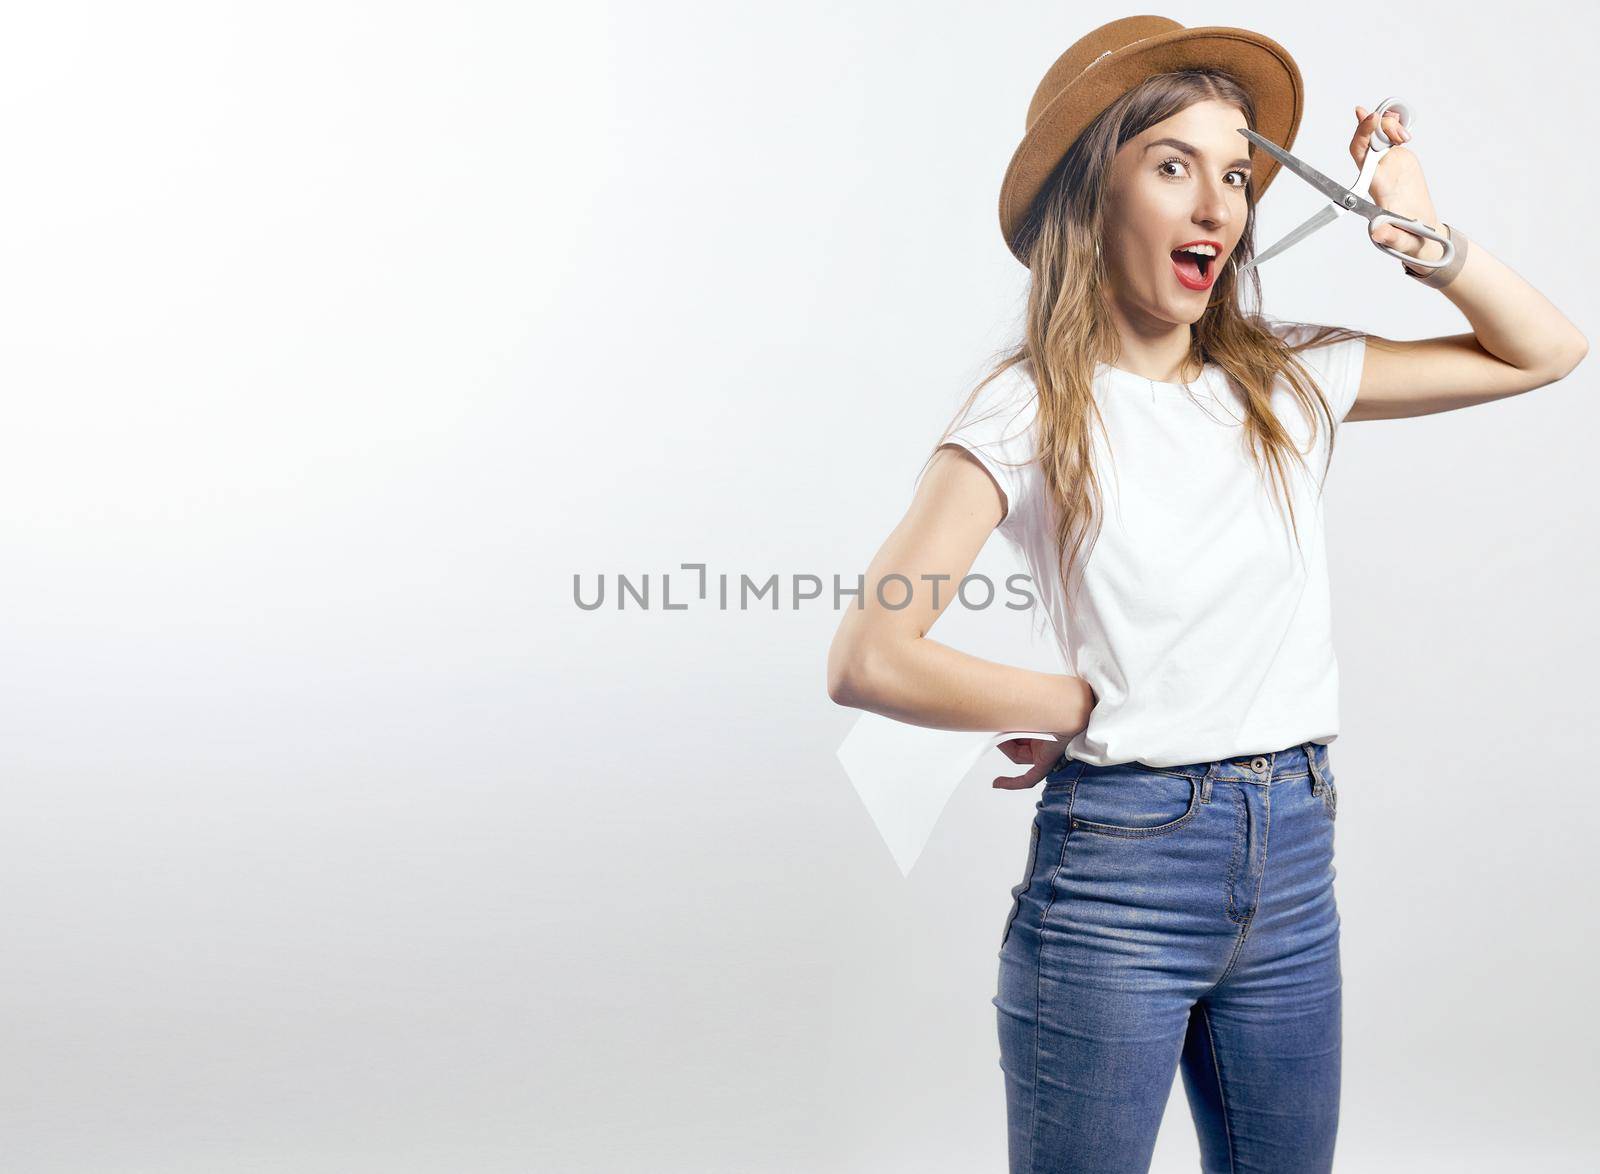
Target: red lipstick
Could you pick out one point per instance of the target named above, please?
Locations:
(1193, 270)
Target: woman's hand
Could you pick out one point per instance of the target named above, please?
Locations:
(1397, 185)
(1039, 754)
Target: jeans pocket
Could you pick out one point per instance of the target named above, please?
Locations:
(1134, 804)
(1027, 881)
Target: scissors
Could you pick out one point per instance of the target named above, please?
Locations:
(1352, 199)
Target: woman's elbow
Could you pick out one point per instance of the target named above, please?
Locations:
(1579, 353)
(844, 680)
(852, 669)
(1569, 356)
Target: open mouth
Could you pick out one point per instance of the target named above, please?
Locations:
(1195, 270)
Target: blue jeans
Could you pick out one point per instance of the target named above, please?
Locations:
(1175, 919)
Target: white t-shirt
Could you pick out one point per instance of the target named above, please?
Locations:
(1204, 631)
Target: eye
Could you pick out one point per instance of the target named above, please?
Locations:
(1244, 175)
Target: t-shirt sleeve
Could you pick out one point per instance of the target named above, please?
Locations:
(998, 431)
(1336, 366)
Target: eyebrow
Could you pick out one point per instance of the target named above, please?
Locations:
(1189, 150)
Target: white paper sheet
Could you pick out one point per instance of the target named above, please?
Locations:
(906, 774)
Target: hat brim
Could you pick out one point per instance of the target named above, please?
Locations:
(1262, 66)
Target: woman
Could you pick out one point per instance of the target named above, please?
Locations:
(1156, 454)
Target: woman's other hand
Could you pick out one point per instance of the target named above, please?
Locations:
(1038, 754)
(1397, 185)
(1042, 754)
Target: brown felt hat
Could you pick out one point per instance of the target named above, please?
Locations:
(1113, 59)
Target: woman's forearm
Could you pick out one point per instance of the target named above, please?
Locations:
(925, 683)
(1512, 320)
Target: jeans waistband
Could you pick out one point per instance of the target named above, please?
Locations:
(1294, 762)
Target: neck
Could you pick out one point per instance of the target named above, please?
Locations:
(1152, 348)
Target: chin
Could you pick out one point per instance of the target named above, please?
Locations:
(1183, 312)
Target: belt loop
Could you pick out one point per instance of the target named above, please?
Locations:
(1317, 785)
(1205, 784)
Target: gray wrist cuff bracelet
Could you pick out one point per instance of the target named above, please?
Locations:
(1445, 274)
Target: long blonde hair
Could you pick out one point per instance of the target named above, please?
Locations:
(1068, 326)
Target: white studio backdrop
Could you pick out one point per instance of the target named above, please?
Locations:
(338, 338)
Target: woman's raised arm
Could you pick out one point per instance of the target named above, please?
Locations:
(1519, 340)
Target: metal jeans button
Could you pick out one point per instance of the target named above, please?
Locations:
(1258, 764)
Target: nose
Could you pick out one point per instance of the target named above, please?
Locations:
(1212, 205)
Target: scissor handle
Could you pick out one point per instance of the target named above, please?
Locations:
(1402, 108)
(1416, 228)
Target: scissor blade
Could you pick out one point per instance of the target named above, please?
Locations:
(1336, 192)
(1327, 215)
